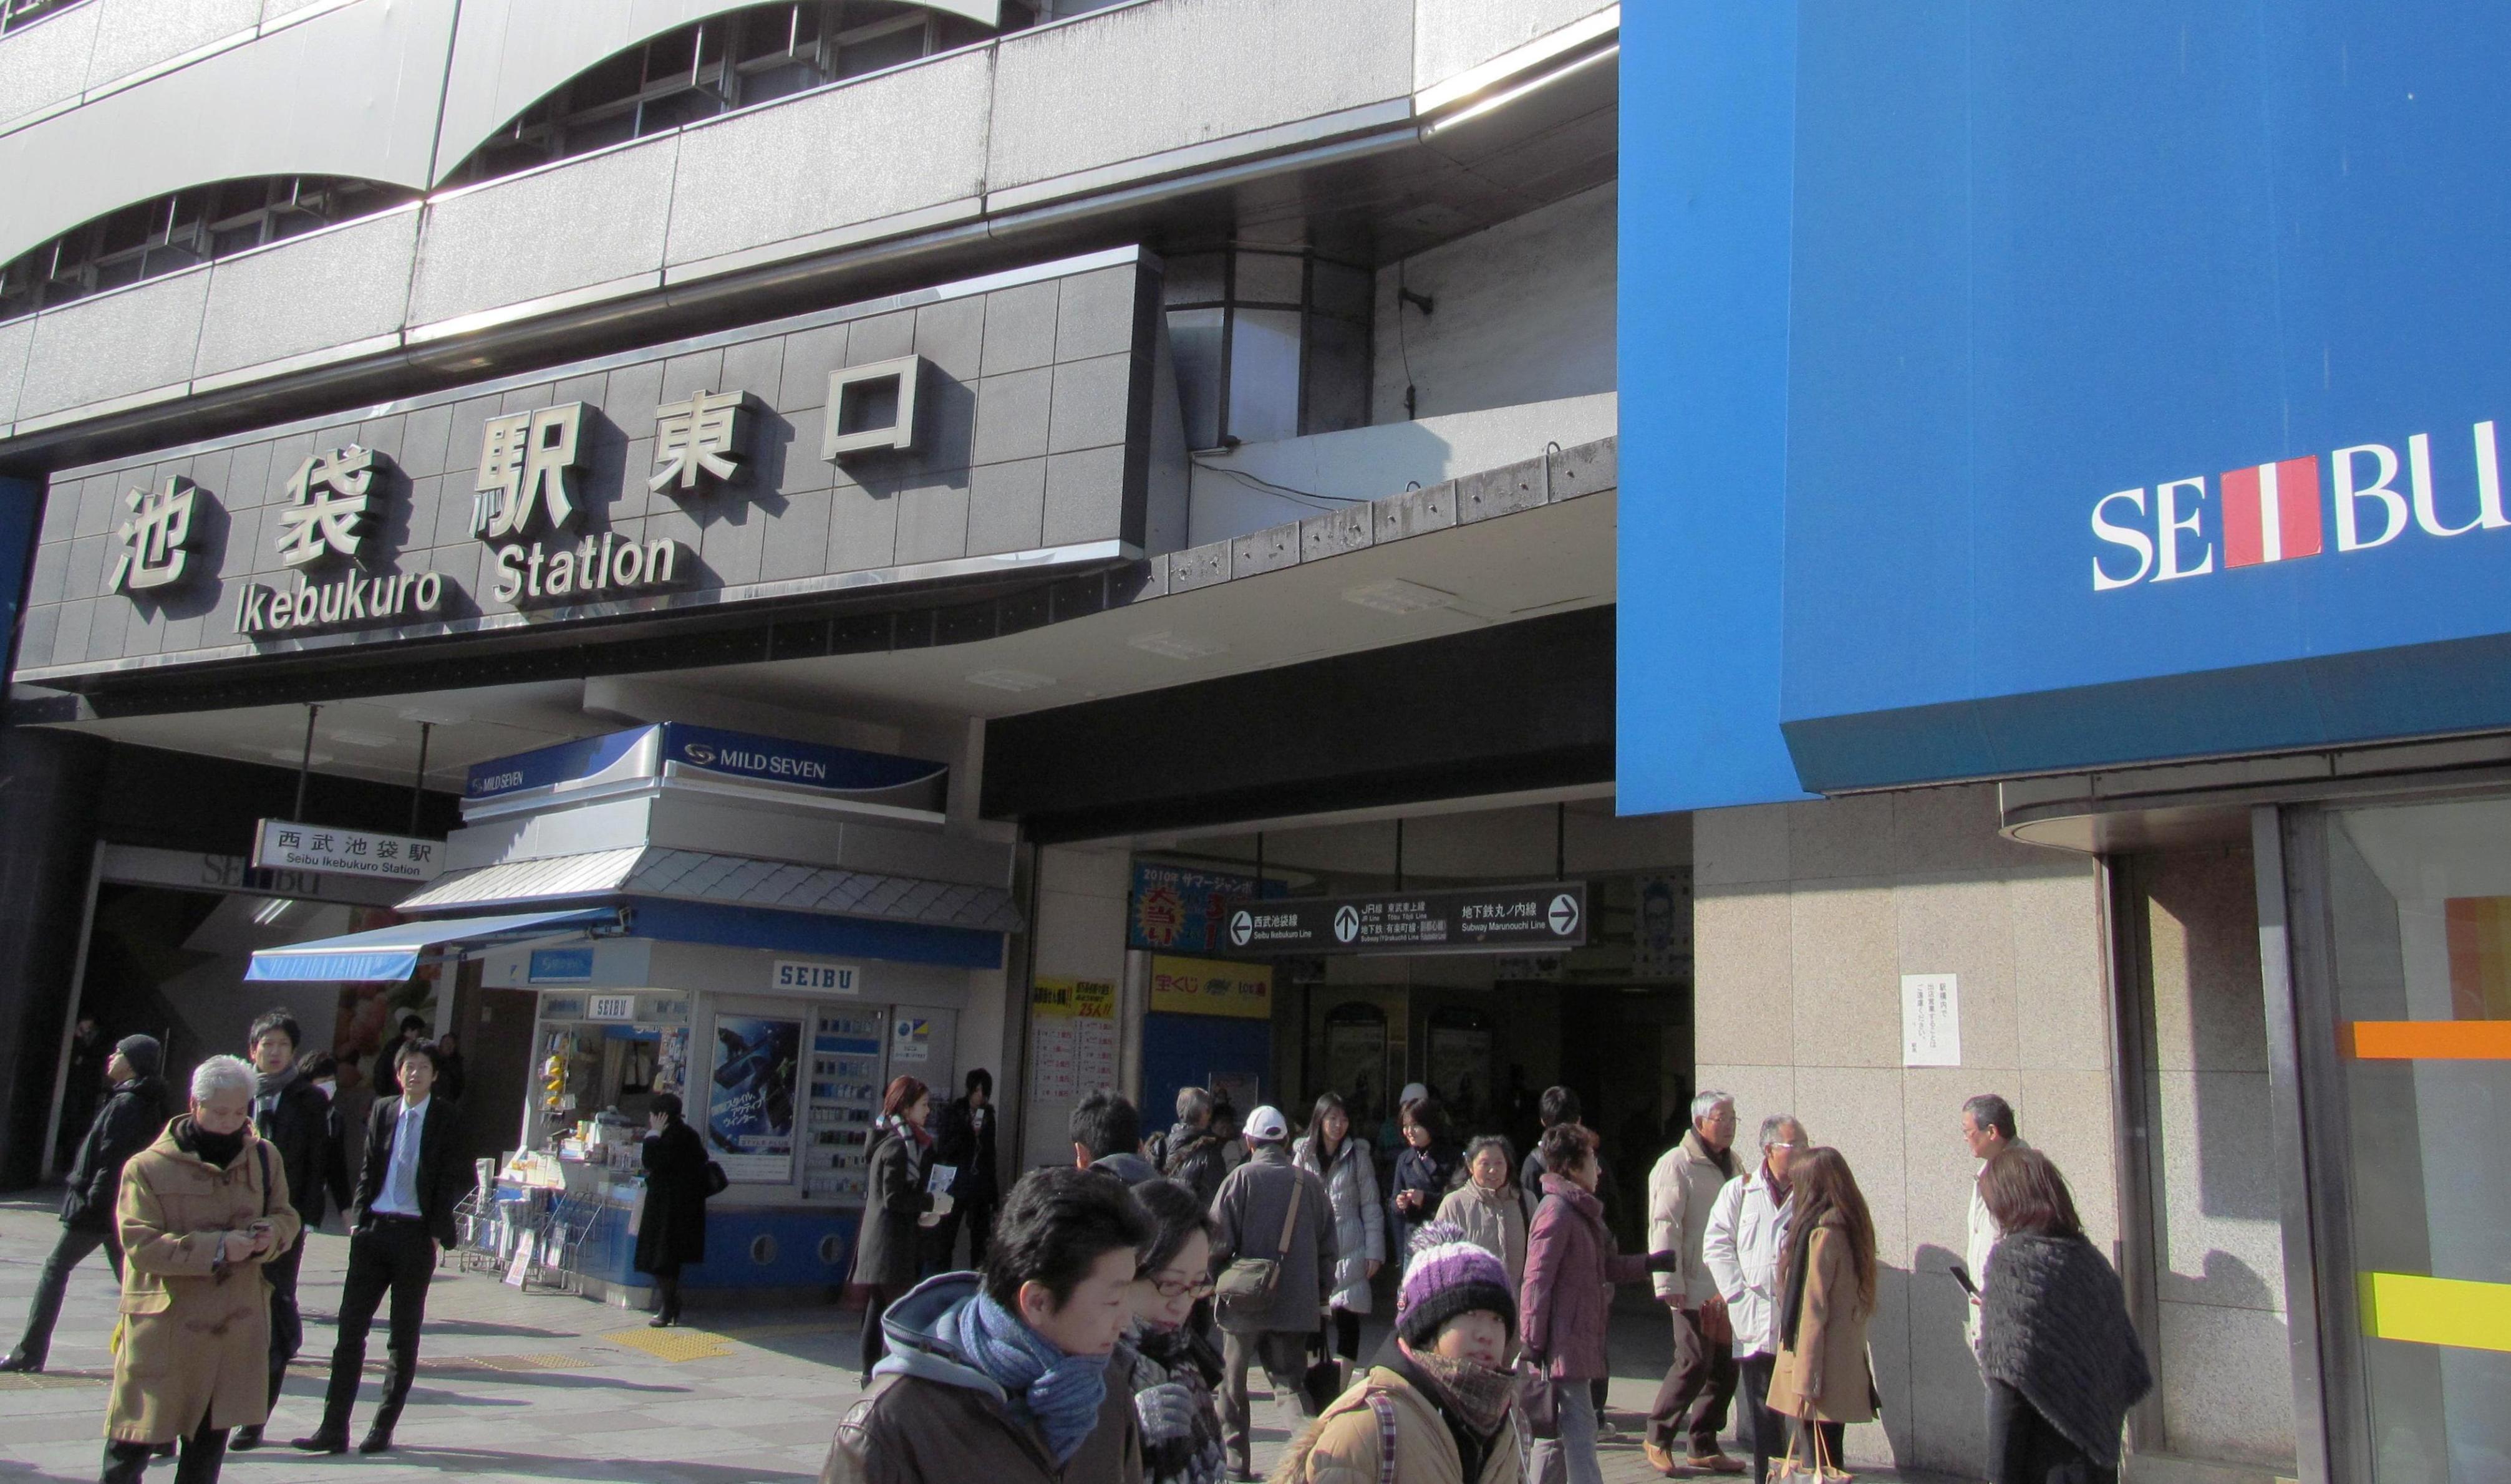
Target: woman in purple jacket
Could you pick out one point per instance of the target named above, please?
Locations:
(1565, 1304)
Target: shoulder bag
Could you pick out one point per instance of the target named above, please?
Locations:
(1249, 1282)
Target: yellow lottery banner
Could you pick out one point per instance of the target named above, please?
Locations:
(1211, 987)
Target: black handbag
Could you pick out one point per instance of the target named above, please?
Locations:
(716, 1181)
(1538, 1402)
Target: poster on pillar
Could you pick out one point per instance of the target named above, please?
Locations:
(1930, 1021)
(749, 1104)
(1094, 1039)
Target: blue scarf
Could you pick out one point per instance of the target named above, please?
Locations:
(1062, 1392)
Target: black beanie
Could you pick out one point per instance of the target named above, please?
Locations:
(146, 1056)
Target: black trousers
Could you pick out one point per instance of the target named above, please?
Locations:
(1283, 1355)
(1344, 1339)
(393, 1255)
(875, 1344)
(2023, 1449)
(944, 1236)
(666, 1290)
(68, 1251)
(287, 1325)
(1762, 1426)
(1692, 1404)
(201, 1455)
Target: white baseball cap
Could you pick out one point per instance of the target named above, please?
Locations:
(1266, 1124)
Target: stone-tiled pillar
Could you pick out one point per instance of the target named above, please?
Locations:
(1807, 916)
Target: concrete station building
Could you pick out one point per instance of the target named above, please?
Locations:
(1091, 540)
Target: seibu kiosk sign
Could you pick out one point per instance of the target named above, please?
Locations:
(2273, 513)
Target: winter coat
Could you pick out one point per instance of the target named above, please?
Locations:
(1128, 1166)
(1565, 1303)
(298, 1128)
(444, 1175)
(1746, 1227)
(963, 1139)
(196, 1330)
(1429, 1172)
(2053, 1326)
(1682, 1189)
(1360, 1216)
(1495, 1221)
(1249, 1208)
(128, 1122)
(1825, 1370)
(889, 1253)
(1186, 1357)
(1195, 1158)
(932, 1417)
(672, 1231)
(1343, 1446)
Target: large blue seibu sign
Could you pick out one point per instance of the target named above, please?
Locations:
(2014, 388)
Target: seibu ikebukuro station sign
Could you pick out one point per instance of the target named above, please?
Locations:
(994, 425)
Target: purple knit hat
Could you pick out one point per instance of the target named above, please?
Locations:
(1449, 1274)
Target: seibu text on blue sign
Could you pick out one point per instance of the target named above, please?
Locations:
(2273, 512)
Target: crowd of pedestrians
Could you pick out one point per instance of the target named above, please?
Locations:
(1107, 1315)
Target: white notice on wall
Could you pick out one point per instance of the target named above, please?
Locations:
(1930, 1021)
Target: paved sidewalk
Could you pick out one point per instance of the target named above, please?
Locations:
(537, 1387)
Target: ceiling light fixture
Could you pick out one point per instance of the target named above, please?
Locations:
(1013, 680)
(1177, 646)
(364, 738)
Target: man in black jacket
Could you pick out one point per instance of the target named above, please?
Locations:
(402, 1217)
(963, 1139)
(289, 1112)
(1191, 1152)
(128, 1122)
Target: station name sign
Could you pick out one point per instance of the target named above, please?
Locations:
(283, 845)
(1544, 915)
(527, 506)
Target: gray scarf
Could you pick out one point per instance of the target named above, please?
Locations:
(2053, 1326)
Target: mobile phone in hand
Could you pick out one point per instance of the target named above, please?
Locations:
(1961, 1276)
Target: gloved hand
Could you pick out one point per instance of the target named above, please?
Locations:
(1167, 1412)
(1665, 1262)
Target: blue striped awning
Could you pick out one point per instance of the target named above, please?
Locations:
(393, 953)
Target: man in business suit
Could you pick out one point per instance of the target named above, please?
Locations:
(400, 1218)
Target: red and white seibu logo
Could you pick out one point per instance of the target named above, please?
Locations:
(2273, 512)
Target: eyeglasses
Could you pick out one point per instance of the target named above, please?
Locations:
(1180, 1287)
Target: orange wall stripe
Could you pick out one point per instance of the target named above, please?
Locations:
(2430, 1039)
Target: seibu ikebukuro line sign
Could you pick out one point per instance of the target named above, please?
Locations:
(2273, 512)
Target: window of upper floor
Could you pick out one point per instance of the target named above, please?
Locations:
(722, 65)
(183, 230)
(1269, 344)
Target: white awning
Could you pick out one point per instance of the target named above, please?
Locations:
(393, 953)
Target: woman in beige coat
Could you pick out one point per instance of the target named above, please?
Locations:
(1490, 1206)
(201, 1212)
(1827, 1297)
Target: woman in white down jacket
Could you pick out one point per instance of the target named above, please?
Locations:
(1350, 1175)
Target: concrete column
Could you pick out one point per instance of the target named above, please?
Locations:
(50, 786)
(1806, 917)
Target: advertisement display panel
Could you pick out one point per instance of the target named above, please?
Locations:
(749, 1097)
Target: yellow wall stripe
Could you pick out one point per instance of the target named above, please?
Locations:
(2436, 1310)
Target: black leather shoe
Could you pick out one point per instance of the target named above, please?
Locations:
(247, 1439)
(323, 1442)
(376, 1440)
(661, 1322)
(21, 1363)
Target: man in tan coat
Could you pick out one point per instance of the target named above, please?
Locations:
(1692, 1404)
(199, 1212)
